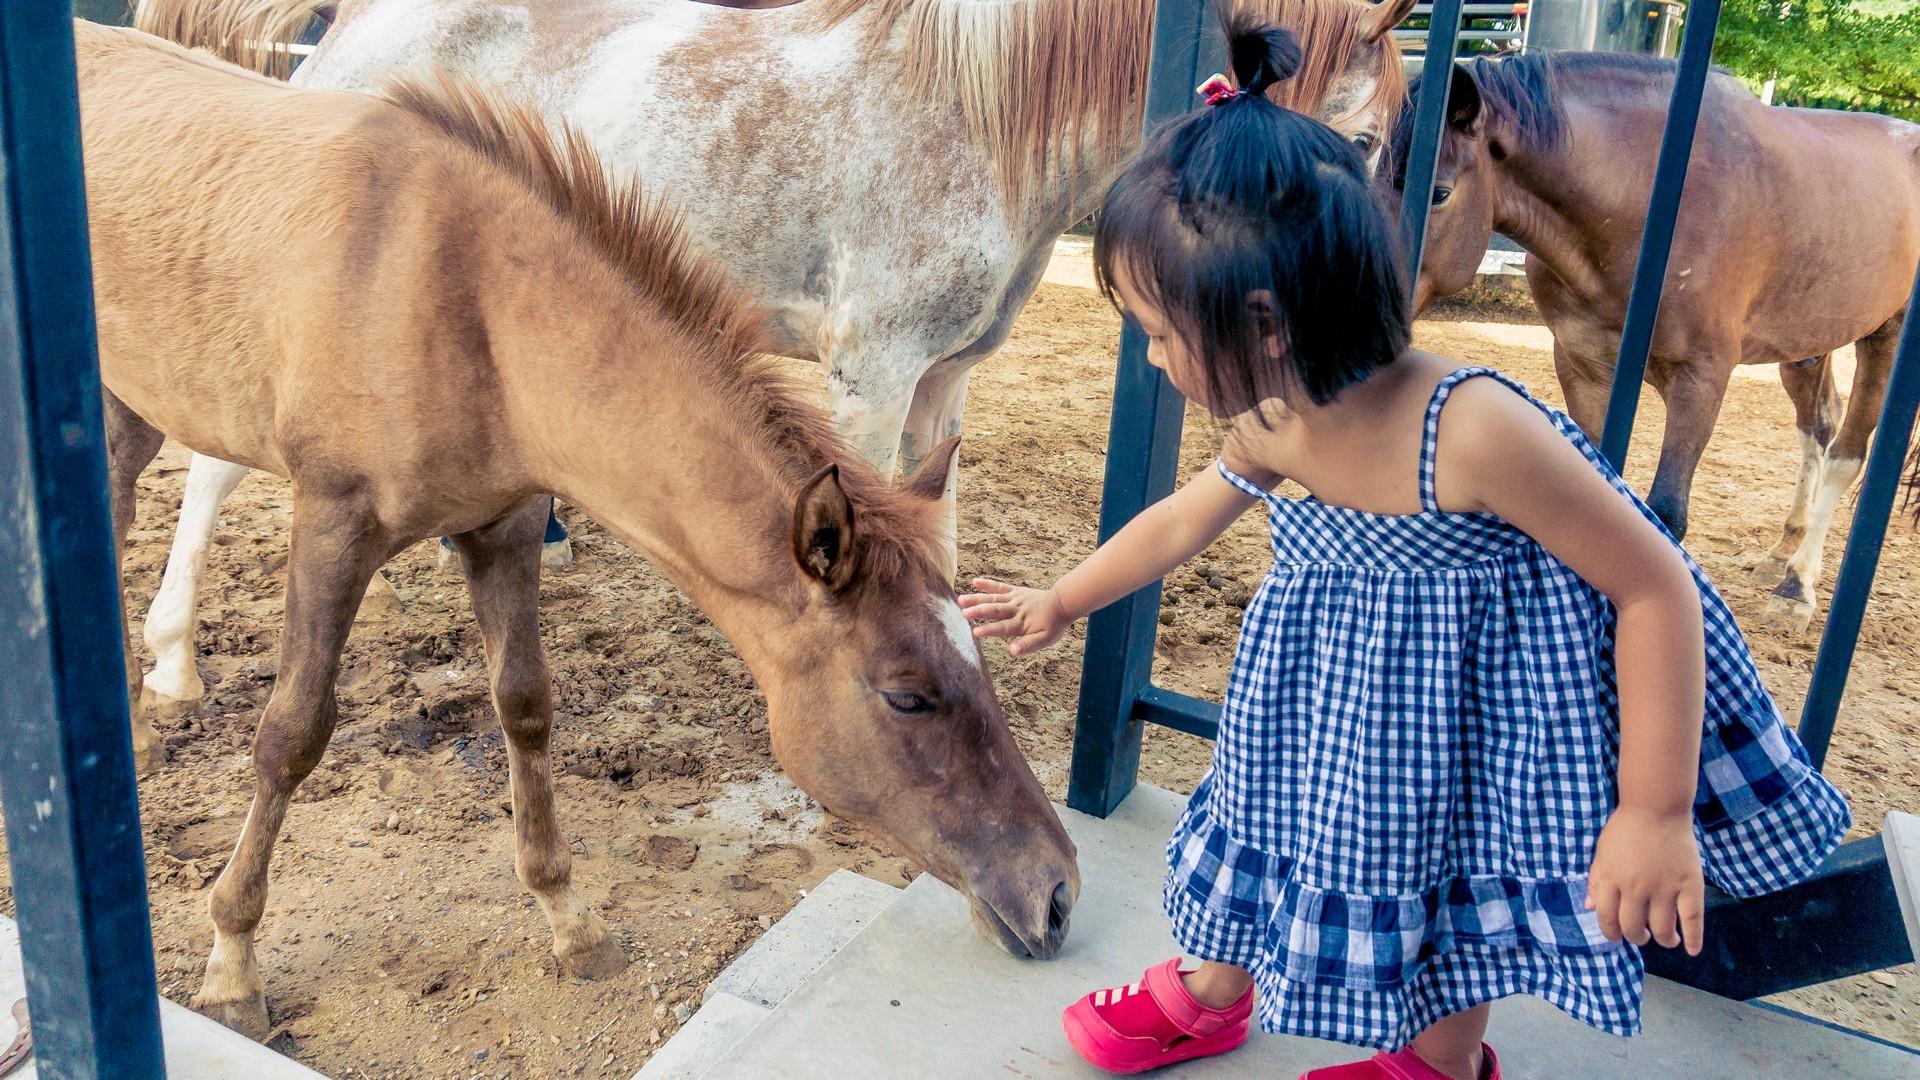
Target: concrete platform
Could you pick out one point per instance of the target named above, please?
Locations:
(918, 993)
(197, 1048)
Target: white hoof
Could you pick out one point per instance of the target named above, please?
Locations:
(1793, 616)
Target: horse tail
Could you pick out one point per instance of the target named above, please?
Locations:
(251, 33)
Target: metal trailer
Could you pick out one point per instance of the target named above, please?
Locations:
(1846, 919)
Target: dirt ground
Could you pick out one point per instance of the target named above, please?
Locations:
(397, 942)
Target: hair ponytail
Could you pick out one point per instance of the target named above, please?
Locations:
(1260, 55)
(1249, 224)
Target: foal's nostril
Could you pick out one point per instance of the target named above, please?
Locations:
(1059, 908)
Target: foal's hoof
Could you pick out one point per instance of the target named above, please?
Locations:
(247, 1016)
(1770, 571)
(381, 602)
(603, 961)
(149, 758)
(557, 554)
(1790, 615)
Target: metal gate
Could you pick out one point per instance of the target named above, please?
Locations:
(1843, 921)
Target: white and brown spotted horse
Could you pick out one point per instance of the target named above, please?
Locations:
(887, 176)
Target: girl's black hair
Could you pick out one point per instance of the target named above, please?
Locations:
(1243, 222)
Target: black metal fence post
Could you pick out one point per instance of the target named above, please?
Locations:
(1868, 532)
(1656, 239)
(1143, 451)
(1429, 126)
(66, 769)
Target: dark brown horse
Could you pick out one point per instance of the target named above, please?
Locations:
(1798, 233)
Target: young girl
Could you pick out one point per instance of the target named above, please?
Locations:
(1486, 719)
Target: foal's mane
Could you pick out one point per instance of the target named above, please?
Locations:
(644, 236)
(1040, 80)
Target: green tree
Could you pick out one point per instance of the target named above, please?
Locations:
(1846, 54)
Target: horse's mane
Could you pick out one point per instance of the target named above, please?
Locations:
(1038, 81)
(1525, 90)
(644, 236)
(1328, 31)
(1035, 79)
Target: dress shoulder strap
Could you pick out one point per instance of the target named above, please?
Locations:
(1430, 436)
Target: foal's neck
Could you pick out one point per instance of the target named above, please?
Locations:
(619, 411)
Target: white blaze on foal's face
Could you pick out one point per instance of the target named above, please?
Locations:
(959, 631)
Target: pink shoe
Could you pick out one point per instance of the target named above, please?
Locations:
(1153, 1022)
(1403, 1065)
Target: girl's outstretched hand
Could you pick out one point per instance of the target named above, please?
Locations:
(1033, 618)
(1646, 883)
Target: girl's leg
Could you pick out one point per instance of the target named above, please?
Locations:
(1452, 1046)
(1217, 986)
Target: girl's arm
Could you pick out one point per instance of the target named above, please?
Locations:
(1499, 454)
(1162, 537)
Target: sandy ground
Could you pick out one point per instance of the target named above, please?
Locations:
(397, 942)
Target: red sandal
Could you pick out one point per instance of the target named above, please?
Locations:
(1153, 1022)
(1402, 1065)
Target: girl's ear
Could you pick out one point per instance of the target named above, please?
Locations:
(1260, 309)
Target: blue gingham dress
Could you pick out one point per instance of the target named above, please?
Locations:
(1416, 757)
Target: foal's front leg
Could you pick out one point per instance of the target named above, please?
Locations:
(502, 565)
(336, 547)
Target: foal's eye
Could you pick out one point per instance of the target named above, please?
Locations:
(1441, 195)
(906, 701)
(1366, 141)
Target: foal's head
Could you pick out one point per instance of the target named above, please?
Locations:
(886, 714)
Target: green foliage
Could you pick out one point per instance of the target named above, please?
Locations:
(1845, 54)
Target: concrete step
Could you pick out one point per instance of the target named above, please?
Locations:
(196, 1047)
(760, 979)
(918, 993)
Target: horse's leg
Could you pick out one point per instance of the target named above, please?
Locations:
(131, 445)
(1693, 389)
(556, 547)
(1816, 416)
(174, 686)
(872, 412)
(938, 403)
(1795, 599)
(1585, 385)
(502, 564)
(336, 547)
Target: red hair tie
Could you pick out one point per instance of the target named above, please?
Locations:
(1217, 90)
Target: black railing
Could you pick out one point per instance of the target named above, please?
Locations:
(66, 769)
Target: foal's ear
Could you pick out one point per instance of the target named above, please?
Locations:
(1380, 21)
(929, 481)
(1464, 112)
(823, 538)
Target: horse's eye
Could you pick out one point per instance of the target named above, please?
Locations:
(906, 701)
(1366, 141)
(1441, 195)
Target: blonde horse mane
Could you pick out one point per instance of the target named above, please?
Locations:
(1035, 79)
(1038, 81)
(243, 32)
(644, 235)
(1328, 32)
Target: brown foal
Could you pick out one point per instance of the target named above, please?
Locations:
(426, 312)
